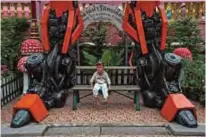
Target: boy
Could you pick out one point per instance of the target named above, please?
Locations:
(101, 79)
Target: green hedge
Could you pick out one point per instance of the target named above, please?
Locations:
(12, 34)
(184, 31)
(193, 81)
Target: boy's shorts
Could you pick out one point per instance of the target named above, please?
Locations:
(103, 87)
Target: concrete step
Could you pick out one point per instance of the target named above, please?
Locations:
(180, 130)
(101, 129)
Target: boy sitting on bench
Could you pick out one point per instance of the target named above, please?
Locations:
(101, 79)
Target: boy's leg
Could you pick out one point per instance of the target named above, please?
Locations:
(96, 89)
(105, 91)
(96, 92)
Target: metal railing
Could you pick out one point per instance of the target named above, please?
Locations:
(23, 8)
(11, 88)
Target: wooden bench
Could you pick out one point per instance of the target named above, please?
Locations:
(123, 79)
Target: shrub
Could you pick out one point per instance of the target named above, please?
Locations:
(170, 33)
(194, 74)
(193, 79)
(12, 34)
(184, 31)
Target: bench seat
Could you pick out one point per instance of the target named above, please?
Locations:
(115, 87)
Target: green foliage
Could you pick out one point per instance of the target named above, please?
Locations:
(106, 57)
(10, 73)
(202, 98)
(184, 31)
(170, 33)
(194, 77)
(110, 57)
(6, 74)
(12, 34)
(95, 34)
(197, 56)
(90, 59)
(194, 74)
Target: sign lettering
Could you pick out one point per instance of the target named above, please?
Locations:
(103, 13)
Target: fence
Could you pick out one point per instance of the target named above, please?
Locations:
(20, 9)
(194, 9)
(11, 88)
(23, 8)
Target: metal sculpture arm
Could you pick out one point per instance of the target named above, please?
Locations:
(133, 25)
(74, 23)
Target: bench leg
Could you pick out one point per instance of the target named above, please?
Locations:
(75, 99)
(137, 101)
(78, 98)
(134, 97)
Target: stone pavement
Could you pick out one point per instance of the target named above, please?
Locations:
(101, 130)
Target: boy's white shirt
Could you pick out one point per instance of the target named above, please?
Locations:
(101, 79)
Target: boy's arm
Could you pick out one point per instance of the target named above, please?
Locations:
(92, 80)
(92, 86)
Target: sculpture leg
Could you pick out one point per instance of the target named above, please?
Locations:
(177, 107)
(27, 108)
(161, 87)
(21, 118)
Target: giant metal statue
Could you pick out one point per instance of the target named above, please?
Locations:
(52, 73)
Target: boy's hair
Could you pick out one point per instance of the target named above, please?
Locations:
(99, 63)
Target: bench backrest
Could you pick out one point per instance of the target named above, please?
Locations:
(119, 75)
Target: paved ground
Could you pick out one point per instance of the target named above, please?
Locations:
(100, 130)
(120, 136)
(120, 110)
(115, 136)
